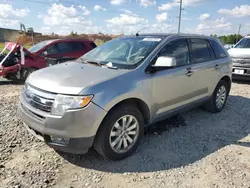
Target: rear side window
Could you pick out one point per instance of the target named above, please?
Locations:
(201, 51)
(75, 46)
(218, 50)
(63, 47)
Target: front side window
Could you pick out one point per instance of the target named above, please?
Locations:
(125, 52)
(201, 51)
(177, 49)
(243, 43)
(51, 50)
(39, 46)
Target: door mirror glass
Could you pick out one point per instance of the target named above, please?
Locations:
(165, 61)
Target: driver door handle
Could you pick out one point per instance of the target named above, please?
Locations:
(189, 72)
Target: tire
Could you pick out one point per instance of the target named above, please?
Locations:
(212, 106)
(103, 141)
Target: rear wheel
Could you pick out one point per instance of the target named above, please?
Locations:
(120, 132)
(219, 98)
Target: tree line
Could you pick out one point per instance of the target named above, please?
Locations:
(229, 39)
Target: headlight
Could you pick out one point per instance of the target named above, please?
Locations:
(63, 103)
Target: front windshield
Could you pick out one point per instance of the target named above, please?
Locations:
(39, 46)
(126, 52)
(244, 43)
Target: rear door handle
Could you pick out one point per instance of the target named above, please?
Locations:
(217, 66)
(189, 73)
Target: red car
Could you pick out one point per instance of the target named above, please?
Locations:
(20, 62)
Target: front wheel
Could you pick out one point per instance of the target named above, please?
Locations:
(219, 98)
(120, 132)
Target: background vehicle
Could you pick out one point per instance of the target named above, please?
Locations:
(107, 97)
(241, 59)
(228, 46)
(35, 58)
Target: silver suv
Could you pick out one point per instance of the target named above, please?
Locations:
(106, 98)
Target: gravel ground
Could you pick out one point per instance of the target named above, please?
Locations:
(194, 149)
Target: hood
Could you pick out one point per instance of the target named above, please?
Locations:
(71, 77)
(239, 52)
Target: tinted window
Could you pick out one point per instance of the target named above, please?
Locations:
(243, 43)
(177, 49)
(218, 50)
(211, 51)
(51, 50)
(63, 47)
(77, 46)
(200, 51)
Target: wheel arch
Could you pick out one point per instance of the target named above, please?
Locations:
(142, 106)
(228, 80)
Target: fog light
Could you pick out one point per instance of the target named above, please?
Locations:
(59, 140)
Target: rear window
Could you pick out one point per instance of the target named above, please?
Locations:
(218, 50)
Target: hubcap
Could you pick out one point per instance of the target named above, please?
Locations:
(221, 96)
(124, 134)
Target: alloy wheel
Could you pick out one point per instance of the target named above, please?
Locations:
(124, 134)
(221, 96)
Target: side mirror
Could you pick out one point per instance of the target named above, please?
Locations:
(164, 61)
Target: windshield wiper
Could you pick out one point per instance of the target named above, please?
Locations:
(100, 64)
(91, 62)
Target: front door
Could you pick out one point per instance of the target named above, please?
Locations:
(173, 88)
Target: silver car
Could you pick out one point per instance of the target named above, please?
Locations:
(106, 98)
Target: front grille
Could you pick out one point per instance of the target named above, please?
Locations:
(38, 99)
(241, 62)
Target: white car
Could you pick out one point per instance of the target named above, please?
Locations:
(240, 54)
(228, 46)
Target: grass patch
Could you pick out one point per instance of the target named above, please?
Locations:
(2, 44)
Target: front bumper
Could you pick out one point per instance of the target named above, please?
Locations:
(79, 126)
(244, 75)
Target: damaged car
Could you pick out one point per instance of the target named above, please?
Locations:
(19, 62)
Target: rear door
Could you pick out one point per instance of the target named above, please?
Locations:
(204, 66)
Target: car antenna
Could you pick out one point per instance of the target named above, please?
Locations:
(137, 33)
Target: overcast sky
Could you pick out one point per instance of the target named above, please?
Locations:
(126, 16)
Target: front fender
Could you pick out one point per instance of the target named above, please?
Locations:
(111, 92)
